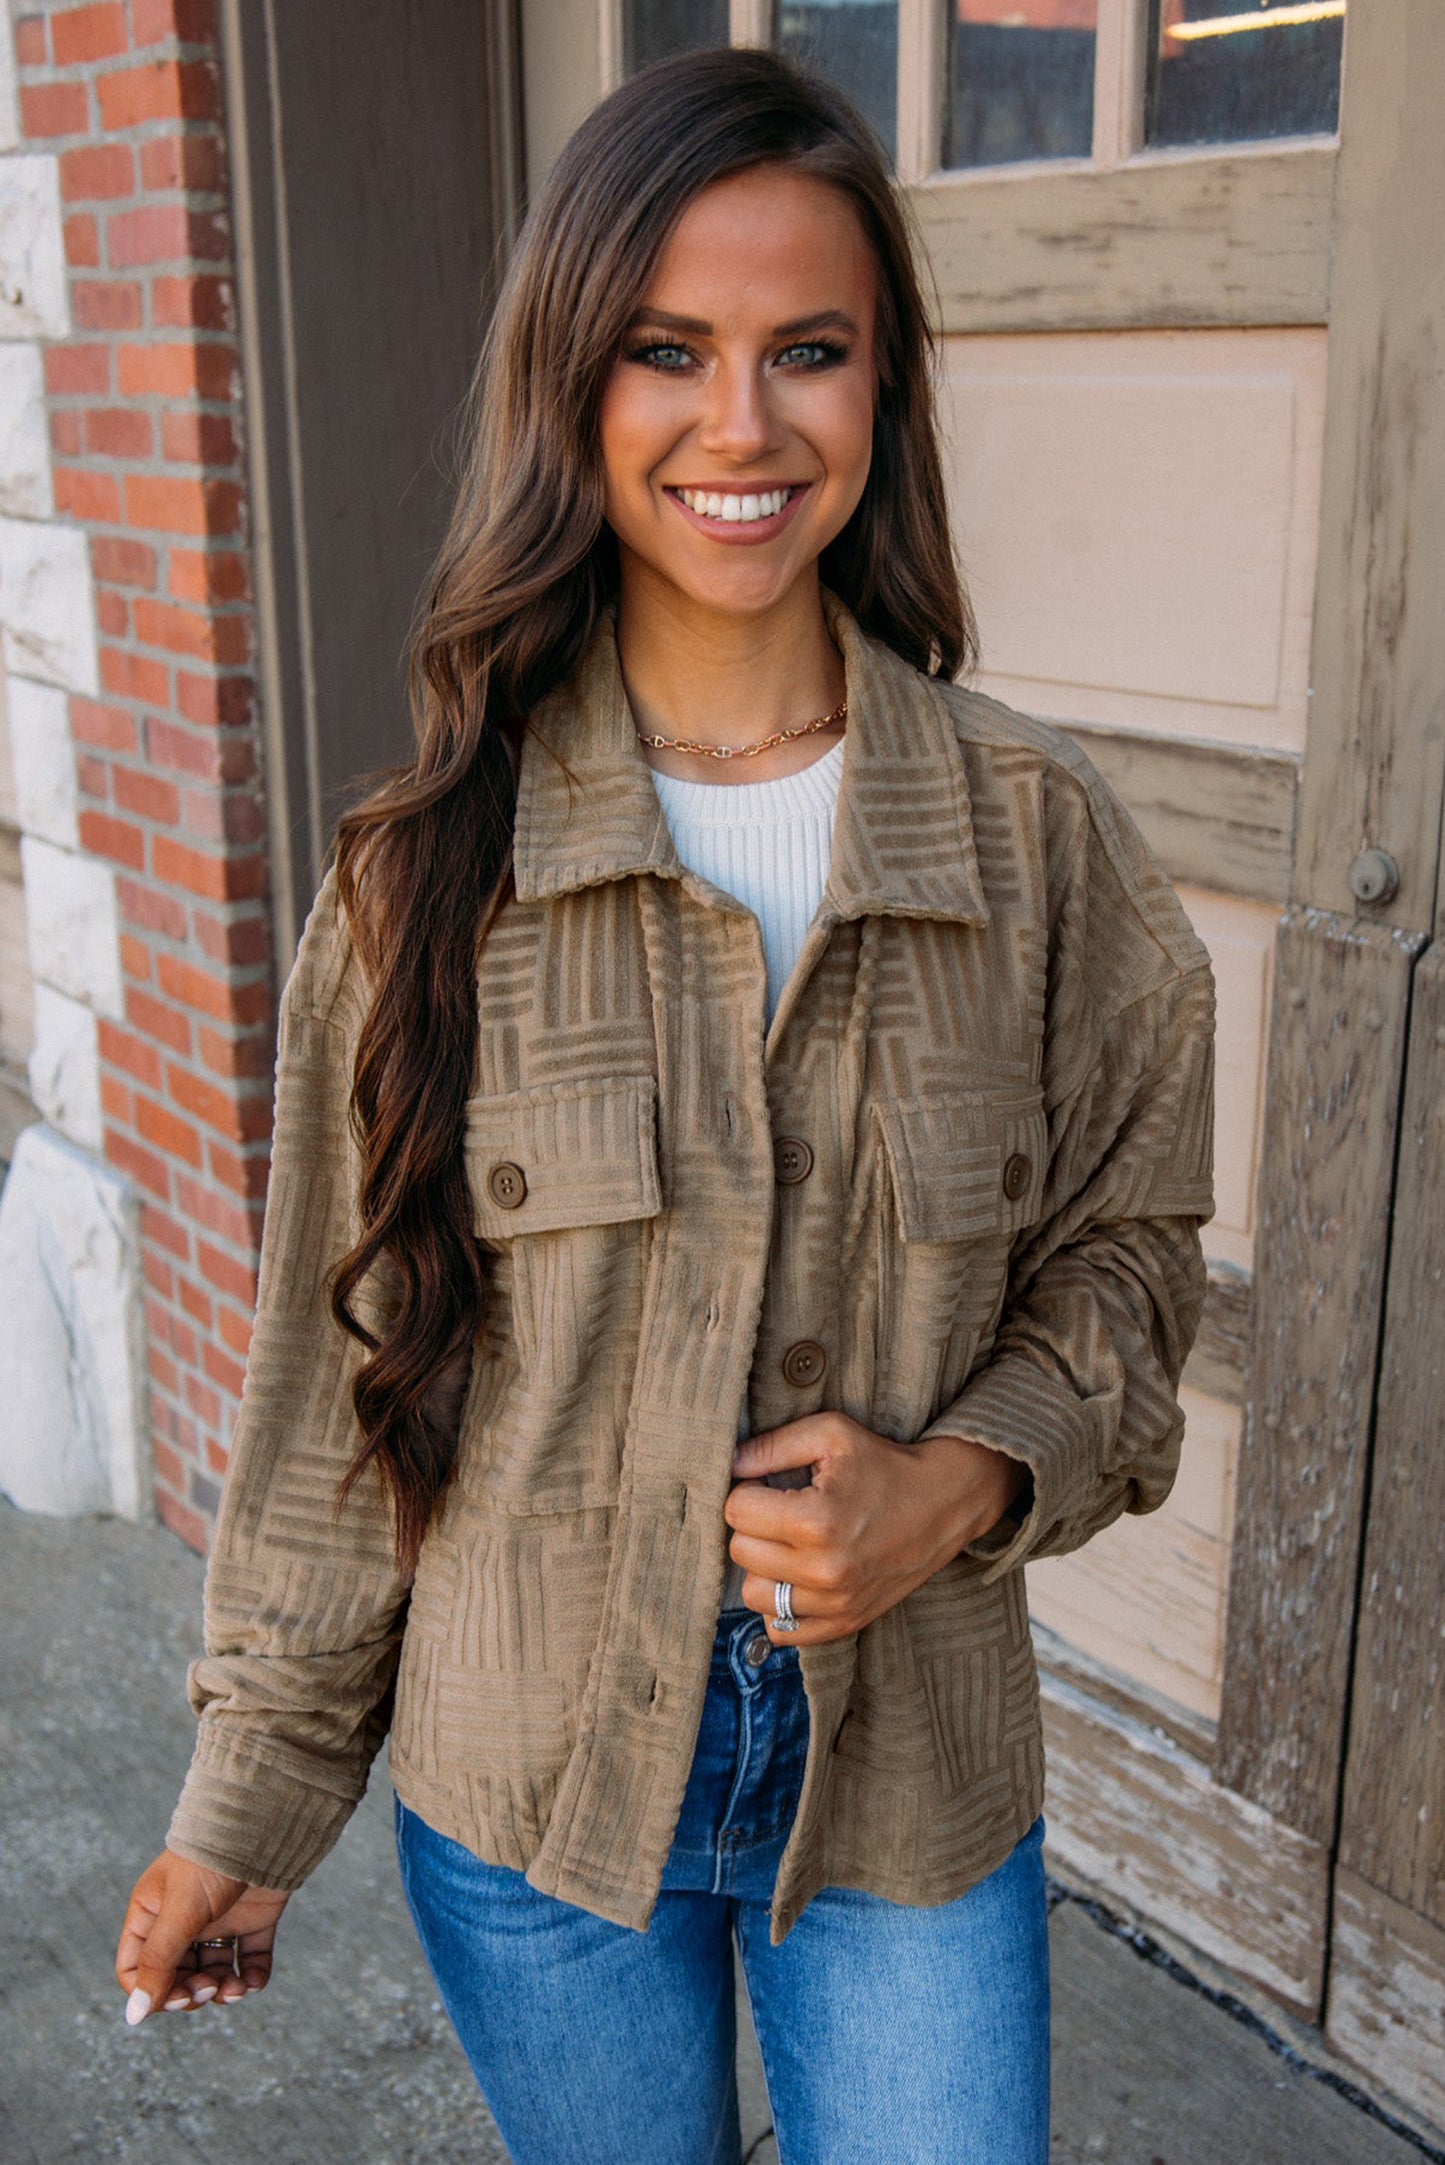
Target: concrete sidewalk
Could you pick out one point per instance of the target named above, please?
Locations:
(347, 2059)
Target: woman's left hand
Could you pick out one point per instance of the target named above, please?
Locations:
(877, 1520)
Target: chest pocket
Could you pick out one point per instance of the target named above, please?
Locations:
(563, 1155)
(968, 1166)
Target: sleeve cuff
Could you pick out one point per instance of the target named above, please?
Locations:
(254, 1817)
(1015, 1406)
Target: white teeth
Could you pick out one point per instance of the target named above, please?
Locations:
(735, 510)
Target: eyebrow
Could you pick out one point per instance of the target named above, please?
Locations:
(826, 319)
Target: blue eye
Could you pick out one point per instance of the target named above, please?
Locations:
(662, 354)
(813, 353)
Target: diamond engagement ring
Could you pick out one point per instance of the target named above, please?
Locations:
(783, 1617)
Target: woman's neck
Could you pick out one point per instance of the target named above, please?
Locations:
(725, 679)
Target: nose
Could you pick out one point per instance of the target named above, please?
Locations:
(737, 423)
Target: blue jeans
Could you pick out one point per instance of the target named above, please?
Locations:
(890, 2035)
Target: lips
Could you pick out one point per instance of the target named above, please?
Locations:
(739, 514)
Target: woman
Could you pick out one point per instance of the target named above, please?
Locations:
(779, 1047)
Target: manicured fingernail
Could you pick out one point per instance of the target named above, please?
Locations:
(177, 2001)
(137, 2007)
(201, 1993)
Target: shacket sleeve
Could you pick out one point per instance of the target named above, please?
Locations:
(304, 1604)
(1105, 1290)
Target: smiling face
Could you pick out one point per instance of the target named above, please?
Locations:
(737, 421)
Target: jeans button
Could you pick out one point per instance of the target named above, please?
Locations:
(757, 1650)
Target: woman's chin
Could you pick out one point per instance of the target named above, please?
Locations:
(747, 590)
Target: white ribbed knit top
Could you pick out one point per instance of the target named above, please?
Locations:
(768, 843)
(765, 842)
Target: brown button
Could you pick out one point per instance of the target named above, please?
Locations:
(507, 1185)
(805, 1362)
(792, 1158)
(1016, 1176)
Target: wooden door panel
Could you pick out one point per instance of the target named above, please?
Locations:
(1387, 1994)
(1240, 936)
(1393, 1832)
(1147, 1595)
(1135, 1814)
(1137, 517)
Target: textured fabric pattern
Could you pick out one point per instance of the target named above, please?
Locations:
(767, 843)
(997, 1043)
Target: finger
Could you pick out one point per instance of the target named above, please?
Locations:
(761, 1594)
(774, 1450)
(770, 1561)
(215, 1966)
(787, 1515)
(190, 1987)
(255, 1971)
(167, 1952)
(812, 1629)
(134, 1932)
(253, 1964)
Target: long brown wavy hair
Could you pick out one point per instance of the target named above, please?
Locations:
(424, 862)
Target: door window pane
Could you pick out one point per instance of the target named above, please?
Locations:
(854, 43)
(1020, 81)
(1230, 71)
(651, 29)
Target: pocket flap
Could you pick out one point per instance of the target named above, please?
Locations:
(966, 1165)
(563, 1154)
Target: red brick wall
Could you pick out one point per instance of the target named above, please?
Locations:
(145, 417)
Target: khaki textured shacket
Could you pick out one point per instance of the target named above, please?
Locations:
(955, 1187)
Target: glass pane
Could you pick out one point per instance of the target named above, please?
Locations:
(854, 43)
(651, 29)
(1020, 81)
(1230, 71)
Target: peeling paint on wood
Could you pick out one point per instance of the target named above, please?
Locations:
(1337, 1038)
(1376, 758)
(1394, 1820)
(1387, 1995)
(1213, 239)
(1130, 1810)
(1215, 816)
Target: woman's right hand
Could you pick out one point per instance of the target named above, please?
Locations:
(175, 1903)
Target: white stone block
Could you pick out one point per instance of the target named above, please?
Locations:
(73, 1432)
(24, 439)
(33, 298)
(65, 1066)
(42, 757)
(47, 602)
(9, 101)
(70, 905)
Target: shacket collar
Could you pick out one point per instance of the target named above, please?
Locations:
(903, 840)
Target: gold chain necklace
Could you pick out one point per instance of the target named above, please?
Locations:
(746, 751)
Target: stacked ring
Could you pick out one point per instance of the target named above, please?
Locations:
(783, 1617)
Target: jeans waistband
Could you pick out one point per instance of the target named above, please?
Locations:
(737, 1629)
